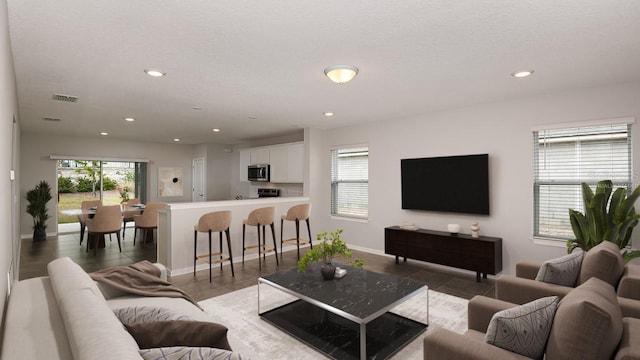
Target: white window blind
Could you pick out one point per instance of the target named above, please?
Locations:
(565, 158)
(350, 182)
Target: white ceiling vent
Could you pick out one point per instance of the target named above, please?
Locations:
(52, 119)
(67, 98)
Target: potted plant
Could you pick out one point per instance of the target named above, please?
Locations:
(607, 216)
(37, 199)
(329, 245)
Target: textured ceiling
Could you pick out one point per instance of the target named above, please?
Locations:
(255, 68)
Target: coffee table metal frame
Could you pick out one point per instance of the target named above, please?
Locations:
(361, 321)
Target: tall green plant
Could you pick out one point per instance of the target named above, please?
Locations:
(37, 199)
(606, 217)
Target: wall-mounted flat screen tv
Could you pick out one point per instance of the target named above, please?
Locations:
(458, 184)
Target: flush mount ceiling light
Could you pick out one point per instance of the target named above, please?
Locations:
(341, 74)
(104, 133)
(155, 73)
(215, 130)
(129, 119)
(521, 74)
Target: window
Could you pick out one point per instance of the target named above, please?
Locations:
(350, 182)
(565, 158)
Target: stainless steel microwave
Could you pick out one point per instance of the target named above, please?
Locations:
(258, 172)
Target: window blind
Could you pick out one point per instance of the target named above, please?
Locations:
(565, 158)
(350, 182)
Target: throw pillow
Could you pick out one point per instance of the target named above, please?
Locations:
(603, 261)
(191, 353)
(158, 334)
(561, 271)
(588, 322)
(141, 314)
(523, 329)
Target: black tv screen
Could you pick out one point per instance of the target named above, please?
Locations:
(458, 184)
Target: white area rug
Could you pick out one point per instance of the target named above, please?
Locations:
(260, 340)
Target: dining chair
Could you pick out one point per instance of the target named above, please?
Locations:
(85, 206)
(296, 214)
(147, 221)
(217, 221)
(260, 217)
(128, 212)
(107, 220)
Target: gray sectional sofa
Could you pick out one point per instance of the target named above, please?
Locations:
(67, 315)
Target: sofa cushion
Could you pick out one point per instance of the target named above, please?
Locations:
(603, 261)
(523, 329)
(67, 276)
(191, 353)
(142, 314)
(588, 322)
(93, 330)
(561, 271)
(179, 333)
(628, 347)
(33, 326)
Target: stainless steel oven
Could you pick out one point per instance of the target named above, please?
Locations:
(258, 172)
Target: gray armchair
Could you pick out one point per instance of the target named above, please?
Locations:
(593, 306)
(603, 261)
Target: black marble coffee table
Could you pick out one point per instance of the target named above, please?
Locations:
(346, 318)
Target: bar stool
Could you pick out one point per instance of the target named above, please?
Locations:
(296, 213)
(261, 217)
(217, 221)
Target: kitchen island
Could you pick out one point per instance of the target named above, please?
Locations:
(175, 230)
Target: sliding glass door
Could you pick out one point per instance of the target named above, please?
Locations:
(110, 181)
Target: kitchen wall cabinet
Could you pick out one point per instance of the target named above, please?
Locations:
(295, 163)
(260, 155)
(286, 161)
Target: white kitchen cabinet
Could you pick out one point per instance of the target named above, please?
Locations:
(278, 163)
(295, 163)
(245, 161)
(286, 161)
(260, 155)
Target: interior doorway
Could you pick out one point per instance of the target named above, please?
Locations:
(198, 191)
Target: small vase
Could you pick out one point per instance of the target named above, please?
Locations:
(328, 271)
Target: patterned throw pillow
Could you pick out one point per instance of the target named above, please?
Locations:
(561, 271)
(142, 314)
(523, 329)
(191, 353)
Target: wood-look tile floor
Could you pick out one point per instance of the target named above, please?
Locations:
(34, 258)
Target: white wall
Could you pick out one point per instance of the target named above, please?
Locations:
(9, 239)
(36, 164)
(501, 129)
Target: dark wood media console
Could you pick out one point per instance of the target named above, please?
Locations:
(482, 255)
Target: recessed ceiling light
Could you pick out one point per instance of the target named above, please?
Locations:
(328, 114)
(252, 117)
(155, 73)
(521, 74)
(196, 108)
(104, 133)
(215, 130)
(176, 139)
(129, 119)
